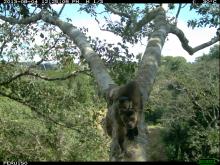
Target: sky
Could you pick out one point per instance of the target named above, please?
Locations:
(172, 46)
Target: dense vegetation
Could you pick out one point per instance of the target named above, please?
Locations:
(185, 100)
(51, 87)
(61, 120)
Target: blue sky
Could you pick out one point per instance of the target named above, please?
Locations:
(172, 46)
(70, 10)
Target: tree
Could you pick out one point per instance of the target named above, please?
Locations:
(194, 104)
(136, 23)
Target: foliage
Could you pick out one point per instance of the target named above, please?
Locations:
(117, 58)
(123, 27)
(185, 101)
(31, 136)
(209, 15)
(60, 121)
(213, 54)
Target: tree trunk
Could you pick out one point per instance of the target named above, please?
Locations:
(145, 78)
(145, 75)
(151, 59)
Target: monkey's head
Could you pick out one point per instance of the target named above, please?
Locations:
(128, 114)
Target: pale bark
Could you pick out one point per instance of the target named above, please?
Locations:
(185, 42)
(97, 66)
(151, 59)
(147, 69)
(146, 74)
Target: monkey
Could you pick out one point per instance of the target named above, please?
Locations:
(128, 117)
(123, 115)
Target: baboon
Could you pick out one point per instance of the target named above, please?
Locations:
(124, 110)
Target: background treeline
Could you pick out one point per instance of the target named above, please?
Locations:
(62, 120)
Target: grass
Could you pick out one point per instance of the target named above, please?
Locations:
(156, 150)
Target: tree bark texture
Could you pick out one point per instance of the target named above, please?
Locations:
(137, 147)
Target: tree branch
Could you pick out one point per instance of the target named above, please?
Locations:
(178, 12)
(35, 109)
(96, 64)
(146, 19)
(5, 41)
(46, 52)
(73, 74)
(3, 45)
(61, 10)
(115, 11)
(25, 21)
(150, 61)
(102, 28)
(184, 41)
(16, 76)
(28, 73)
(136, 25)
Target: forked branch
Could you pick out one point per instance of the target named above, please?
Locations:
(185, 43)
